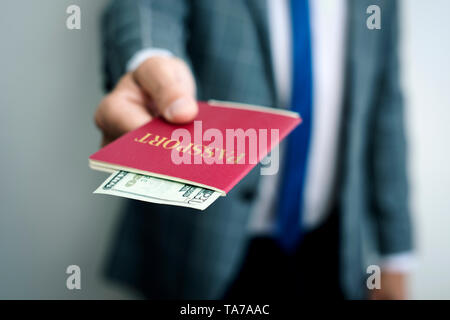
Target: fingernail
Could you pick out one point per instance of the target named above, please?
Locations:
(177, 109)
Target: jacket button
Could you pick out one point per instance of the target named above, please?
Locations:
(248, 195)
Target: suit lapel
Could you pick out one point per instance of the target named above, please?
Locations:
(258, 12)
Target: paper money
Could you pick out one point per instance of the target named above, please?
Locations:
(150, 189)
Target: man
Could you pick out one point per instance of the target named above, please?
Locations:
(318, 56)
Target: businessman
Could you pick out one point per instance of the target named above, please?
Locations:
(340, 201)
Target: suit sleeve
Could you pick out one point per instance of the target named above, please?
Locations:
(129, 26)
(388, 166)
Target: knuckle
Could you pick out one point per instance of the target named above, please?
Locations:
(154, 65)
(180, 62)
(98, 119)
(105, 108)
(98, 116)
(106, 103)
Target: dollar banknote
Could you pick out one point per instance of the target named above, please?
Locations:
(151, 189)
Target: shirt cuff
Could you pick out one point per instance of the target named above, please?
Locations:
(403, 262)
(139, 57)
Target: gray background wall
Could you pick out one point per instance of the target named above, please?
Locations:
(49, 87)
(49, 218)
(426, 52)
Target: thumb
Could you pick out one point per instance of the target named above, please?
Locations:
(170, 85)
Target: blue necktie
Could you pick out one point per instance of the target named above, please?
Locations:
(289, 232)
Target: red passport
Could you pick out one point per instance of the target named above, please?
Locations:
(215, 151)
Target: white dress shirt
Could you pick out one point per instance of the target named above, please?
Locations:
(328, 23)
(328, 43)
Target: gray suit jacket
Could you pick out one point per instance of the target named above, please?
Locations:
(173, 252)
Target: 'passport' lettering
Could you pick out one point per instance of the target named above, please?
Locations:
(191, 149)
